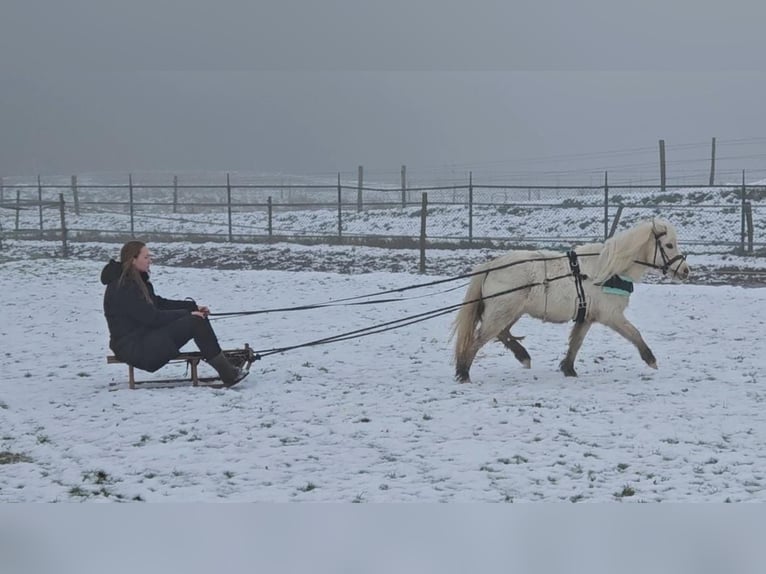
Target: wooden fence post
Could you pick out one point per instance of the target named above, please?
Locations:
(470, 207)
(662, 165)
(75, 195)
(175, 194)
(615, 221)
(340, 224)
(742, 216)
(63, 226)
(606, 205)
(359, 183)
(228, 203)
(130, 199)
(270, 208)
(712, 164)
(423, 214)
(404, 186)
(40, 204)
(749, 226)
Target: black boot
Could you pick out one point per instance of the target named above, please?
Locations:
(230, 375)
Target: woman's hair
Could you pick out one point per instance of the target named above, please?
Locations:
(128, 253)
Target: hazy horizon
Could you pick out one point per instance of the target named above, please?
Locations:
(306, 90)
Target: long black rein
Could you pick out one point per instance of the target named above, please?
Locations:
(349, 301)
(412, 319)
(397, 323)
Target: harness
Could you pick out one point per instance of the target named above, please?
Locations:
(582, 306)
(616, 285)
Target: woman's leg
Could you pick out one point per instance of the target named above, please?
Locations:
(192, 327)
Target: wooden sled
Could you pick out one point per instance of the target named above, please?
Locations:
(239, 357)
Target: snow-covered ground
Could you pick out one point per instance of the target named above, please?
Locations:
(378, 418)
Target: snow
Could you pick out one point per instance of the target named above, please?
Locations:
(380, 418)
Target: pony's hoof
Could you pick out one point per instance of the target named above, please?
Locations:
(652, 365)
(526, 363)
(568, 370)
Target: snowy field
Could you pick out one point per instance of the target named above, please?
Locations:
(379, 419)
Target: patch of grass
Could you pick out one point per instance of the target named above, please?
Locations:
(43, 439)
(626, 491)
(7, 457)
(427, 417)
(97, 477)
(308, 488)
(79, 492)
(622, 467)
(363, 420)
(228, 474)
(3, 405)
(359, 498)
(143, 440)
(83, 374)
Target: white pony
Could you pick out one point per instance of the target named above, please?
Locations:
(544, 285)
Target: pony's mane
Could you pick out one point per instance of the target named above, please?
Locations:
(620, 252)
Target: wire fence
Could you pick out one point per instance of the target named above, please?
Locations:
(722, 218)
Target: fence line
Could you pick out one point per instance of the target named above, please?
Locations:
(470, 214)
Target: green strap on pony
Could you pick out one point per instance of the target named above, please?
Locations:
(618, 285)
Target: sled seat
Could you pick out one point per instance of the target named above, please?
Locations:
(240, 357)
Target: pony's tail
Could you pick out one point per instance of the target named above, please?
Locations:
(464, 327)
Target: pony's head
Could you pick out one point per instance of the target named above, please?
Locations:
(652, 244)
(665, 254)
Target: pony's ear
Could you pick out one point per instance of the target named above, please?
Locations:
(659, 226)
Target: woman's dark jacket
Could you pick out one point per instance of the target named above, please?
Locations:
(137, 332)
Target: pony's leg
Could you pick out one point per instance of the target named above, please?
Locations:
(493, 322)
(629, 331)
(576, 337)
(513, 344)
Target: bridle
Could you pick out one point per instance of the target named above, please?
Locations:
(666, 261)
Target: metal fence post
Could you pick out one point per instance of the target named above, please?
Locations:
(360, 182)
(228, 203)
(606, 205)
(63, 226)
(404, 186)
(75, 196)
(130, 192)
(175, 194)
(40, 204)
(470, 207)
(340, 224)
(423, 215)
(268, 203)
(742, 211)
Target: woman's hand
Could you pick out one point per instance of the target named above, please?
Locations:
(204, 310)
(199, 314)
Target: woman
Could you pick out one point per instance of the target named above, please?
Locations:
(147, 331)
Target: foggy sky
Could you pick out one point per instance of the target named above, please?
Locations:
(306, 87)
